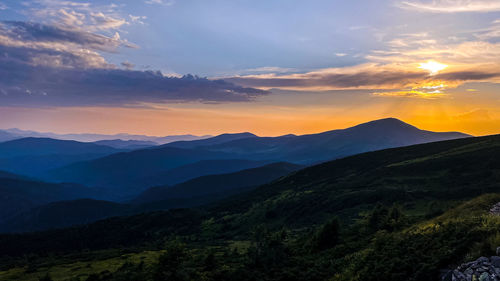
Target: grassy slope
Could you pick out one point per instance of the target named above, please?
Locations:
(424, 179)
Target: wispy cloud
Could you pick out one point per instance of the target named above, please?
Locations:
(452, 6)
(160, 2)
(370, 76)
(410, 94)
(47, 45)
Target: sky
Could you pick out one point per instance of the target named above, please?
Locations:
(274, 67)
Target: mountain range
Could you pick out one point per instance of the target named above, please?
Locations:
(11, 134)
(128, 170)
(393, 214)
(61, 212)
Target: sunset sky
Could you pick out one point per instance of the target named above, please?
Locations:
(272, 67)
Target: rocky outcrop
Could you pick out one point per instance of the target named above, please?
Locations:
(495, 210)
(482, 269)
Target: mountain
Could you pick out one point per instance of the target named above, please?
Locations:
(131, 170)
(218, 186)
(121, 171)
(126, 144)
(315, 148)
(47, 146)
(17, 133)
(6, 136)
(19, 195)
(198, 169)
(394, 214)
(192, 193)
(34, 156)
(211, 141)
(7, 175)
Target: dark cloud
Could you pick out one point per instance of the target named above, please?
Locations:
(468, 75)
(26, 85)
(333, 80)
(46, 65)
(369, 78)
(128, 65)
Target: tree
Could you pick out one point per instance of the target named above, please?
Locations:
(327, 236)
(169, 265)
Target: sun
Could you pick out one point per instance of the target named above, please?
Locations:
(432, 66)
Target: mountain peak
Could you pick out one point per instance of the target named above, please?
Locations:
(244, 134)
(391, 121)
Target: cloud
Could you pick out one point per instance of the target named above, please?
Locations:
(37, 33)
(160, 2)
(128, 65)
(267, 69)
(137, 19)
(452, 6)
(368, 76)
(49, 65)
(78, 15)
(27, 85)
(410, 94)
(102, 21)
(48, 45)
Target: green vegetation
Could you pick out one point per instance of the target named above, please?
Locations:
(358, 218)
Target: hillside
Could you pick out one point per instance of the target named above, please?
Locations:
(212, 185)
(403, 214)
(192, 193)
(63, 214)
(198, 169)
(123, 170)
(18, 194)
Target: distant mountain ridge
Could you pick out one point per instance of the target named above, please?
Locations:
(211, 141)
(34, 156)
(10, 134)
(314, 148)
(124, 170)
(126, 144)
(47, 146)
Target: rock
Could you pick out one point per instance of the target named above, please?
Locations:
(482, 259)
(495, 210)
(447, 276)
(484, 277)
(495, 261)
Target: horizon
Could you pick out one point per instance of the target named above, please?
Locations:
(238, 132)
(271, 68)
